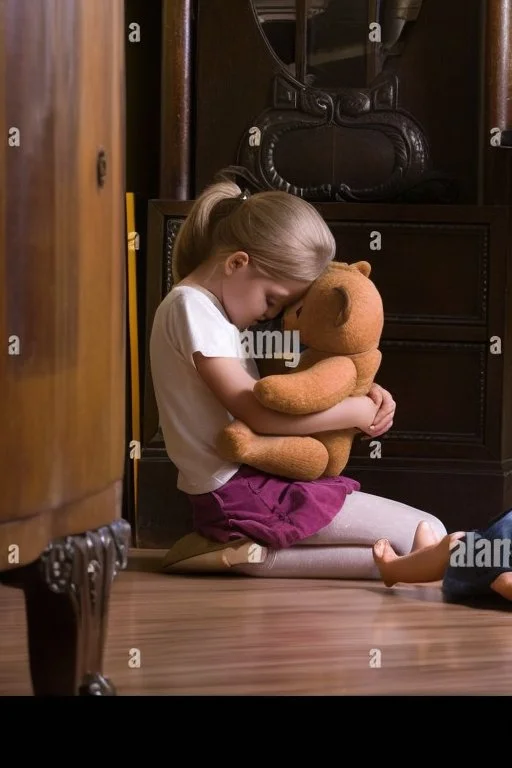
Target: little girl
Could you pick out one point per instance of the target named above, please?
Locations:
(239, 260)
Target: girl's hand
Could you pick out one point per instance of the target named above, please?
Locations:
(364, 412)
(385, 414)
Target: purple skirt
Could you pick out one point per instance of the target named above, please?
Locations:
(268, 509)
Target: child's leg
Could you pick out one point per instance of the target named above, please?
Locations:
(425, 536)
(423, 565)
(343, 549)
(364, 518)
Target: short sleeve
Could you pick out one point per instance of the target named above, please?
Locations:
(196, 325)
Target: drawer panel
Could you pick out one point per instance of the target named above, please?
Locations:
(439, 388)
(426, 273)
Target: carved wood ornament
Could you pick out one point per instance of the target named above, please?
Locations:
(299, 106)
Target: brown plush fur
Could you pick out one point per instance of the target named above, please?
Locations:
(340, 320)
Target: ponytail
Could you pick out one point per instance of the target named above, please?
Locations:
(193, 243)
(285, 236)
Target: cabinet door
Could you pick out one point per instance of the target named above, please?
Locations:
(433, 277)
(62, 267)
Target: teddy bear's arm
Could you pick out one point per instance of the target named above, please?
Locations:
(315, 389)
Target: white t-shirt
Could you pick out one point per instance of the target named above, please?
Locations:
(191, 319)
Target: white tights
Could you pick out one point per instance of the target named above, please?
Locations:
(343, 549)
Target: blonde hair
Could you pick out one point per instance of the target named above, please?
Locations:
(284, 235)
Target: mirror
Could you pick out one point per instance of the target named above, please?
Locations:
(338, 51)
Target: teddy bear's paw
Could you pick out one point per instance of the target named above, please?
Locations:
(282, 393)
(294, 457)
(338, 444)
(267, 390)
(235, 441)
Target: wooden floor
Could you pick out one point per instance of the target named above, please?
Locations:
(234, 635)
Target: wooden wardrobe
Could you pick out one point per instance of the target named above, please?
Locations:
(394, 118)
(62, 325)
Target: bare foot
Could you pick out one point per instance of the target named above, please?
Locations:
(384, 556)
(503, 585)
(425, 536)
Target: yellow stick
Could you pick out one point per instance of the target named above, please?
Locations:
(132, 240)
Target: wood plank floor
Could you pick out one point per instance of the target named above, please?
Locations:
(233, 635)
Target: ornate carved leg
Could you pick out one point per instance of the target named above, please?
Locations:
(67, 599)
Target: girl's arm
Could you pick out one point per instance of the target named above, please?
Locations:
(233, 387)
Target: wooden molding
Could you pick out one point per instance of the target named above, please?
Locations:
(176, 90)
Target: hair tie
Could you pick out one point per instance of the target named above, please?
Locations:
(245, 195)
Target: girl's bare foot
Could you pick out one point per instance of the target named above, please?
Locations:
(425, 536)
(384, 556)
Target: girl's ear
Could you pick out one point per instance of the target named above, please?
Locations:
(234, 261)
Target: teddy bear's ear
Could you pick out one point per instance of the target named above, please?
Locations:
(363, 266)
(344, 304)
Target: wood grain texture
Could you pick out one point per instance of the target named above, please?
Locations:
(497, 101)
(62, 250)
(499, 63)
(177, 99)
(233, 635)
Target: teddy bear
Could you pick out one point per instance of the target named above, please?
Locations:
(340, 321)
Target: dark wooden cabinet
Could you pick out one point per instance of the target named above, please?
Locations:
(405, 128)
(396, 137)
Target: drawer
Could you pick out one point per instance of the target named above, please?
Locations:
(432, 274)
(441, 394)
